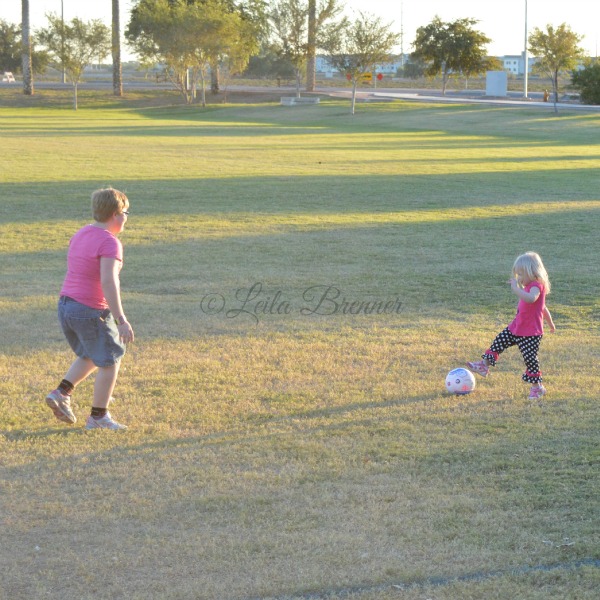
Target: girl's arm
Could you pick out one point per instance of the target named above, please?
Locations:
(548, 319)
(529, 297)
(111, 288)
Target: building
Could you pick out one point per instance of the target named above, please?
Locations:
(515, 63)
(325, 69)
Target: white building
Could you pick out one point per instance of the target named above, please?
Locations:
(515, 63)
(325, 69)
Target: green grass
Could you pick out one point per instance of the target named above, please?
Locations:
(273, 453)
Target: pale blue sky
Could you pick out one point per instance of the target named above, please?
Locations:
(501, 20)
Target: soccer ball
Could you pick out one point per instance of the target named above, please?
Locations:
(460, 381)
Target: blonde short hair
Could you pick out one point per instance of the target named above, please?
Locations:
(531, 264)
(107, 202)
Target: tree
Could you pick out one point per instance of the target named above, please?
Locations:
(26, 49)
(311, 46)
(269, 63)
(450, 48)
(73, 46)
(413, 69)
(116, 50)
(297, 26)
(357, 47)
(479, 64)
(190, 38)
(587, 81)
(11, 48)
(557, 50)
(254, 16)
(318, 15)
(290, 20)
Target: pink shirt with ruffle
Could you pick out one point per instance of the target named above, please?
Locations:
(530, 315)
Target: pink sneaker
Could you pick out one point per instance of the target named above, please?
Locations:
(479, 367)
(61, 406)
(536, 391)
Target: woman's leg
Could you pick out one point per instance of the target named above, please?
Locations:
(80, 370)
(106, 379)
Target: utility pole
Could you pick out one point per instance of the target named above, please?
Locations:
(526, 56)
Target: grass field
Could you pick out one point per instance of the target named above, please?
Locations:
(285, 442)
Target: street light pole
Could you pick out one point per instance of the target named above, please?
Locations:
(526, 56)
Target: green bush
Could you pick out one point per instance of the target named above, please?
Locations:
(588, 82)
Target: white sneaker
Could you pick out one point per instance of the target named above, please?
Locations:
(105, 422)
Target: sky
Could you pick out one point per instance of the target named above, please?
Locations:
(501, 20)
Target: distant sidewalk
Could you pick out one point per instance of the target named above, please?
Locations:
(424, 97)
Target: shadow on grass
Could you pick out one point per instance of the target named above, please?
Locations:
(14, 435)
(424, 584)
(316, 193)
(217, 438)
(508, 124)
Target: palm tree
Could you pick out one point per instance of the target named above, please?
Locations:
(317, 15)
(26, 50)
(116, 50)
(311, 55)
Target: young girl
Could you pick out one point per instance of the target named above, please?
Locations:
(531, 284)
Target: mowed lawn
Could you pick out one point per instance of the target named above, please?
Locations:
(300, 281)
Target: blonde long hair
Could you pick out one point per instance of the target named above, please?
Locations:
(531, 265)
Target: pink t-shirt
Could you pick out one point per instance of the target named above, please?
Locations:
(530, 315)
(82, 282)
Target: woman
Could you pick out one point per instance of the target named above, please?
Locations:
(90, 310)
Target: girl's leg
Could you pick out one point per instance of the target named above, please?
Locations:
(505, 339)
(529, 347)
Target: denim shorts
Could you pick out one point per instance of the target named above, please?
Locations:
(92, 333)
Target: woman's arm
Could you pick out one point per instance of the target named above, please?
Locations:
(111, 288)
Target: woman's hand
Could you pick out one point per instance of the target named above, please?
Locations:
(125, 332)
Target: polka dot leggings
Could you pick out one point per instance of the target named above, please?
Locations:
(528, 345)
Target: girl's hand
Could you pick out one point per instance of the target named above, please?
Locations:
(514, 284)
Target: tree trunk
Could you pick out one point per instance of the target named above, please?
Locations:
(311, 51)
(298, 78)
(203, 91)
(116, 50)
(75, 96)
(26, 49)
(353, 95)
(215, 84)
(444, 82)
(555, 85)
